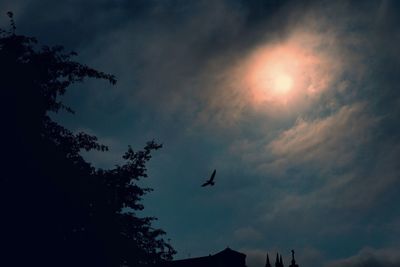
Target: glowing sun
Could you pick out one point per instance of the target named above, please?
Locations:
(272, 77)
(283, 83)
(285, 74)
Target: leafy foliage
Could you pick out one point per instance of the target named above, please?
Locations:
(57, 209)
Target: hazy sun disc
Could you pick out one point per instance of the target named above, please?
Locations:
(282, 83)
(286, 74)
(272, 77)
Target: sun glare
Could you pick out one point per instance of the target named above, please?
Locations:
(282, 83)
(286, 74)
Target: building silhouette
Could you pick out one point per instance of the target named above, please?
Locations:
(224, 258)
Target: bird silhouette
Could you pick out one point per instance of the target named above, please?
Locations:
(211, 180)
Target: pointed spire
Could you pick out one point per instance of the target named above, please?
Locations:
(267, 264)
(277, 260)
(280, 261)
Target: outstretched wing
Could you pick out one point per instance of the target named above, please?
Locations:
(212, 176)
(205, 184)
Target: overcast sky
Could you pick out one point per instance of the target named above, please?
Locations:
(295, 103)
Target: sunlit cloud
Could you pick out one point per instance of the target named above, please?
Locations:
(289, 72)
(328, 142)
(322, 144)
(283, 77)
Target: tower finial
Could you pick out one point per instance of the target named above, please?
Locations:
(293, 260)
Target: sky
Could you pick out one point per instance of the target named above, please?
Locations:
(295, 103)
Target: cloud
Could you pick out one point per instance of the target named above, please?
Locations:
(369, 257)
(159, 60)
(321, 178)
(324, 144)
(329, 142)
(247, 234)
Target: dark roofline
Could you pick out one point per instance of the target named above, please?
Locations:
(229, 250)
(226, 250)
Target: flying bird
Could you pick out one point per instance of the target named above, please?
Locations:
(211, 180)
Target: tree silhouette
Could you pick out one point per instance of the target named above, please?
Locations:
(56, 209)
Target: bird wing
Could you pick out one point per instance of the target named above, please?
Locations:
(212, 176)
(205, 184)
